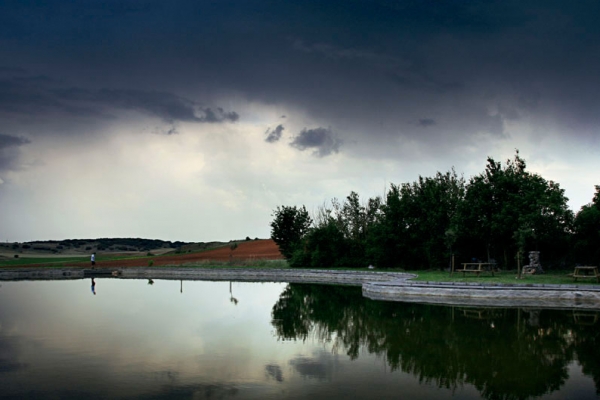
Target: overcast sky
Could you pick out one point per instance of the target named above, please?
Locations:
(192, 120)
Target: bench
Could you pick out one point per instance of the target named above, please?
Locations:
(476, 268)
(586, 272)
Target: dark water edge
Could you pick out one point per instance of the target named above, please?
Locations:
(180, 339)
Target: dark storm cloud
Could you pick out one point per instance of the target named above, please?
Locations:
(321, 140)
(359, 66)
(12, 70)
(427, 122)
(42, 94)
(166, 106)
(217, 115)
(9, 150)
(496, 125)
(20, 97)
(11, 141)
(275, 134)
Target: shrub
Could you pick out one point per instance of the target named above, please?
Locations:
(289, 227)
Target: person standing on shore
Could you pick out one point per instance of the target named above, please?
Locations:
(93, 260)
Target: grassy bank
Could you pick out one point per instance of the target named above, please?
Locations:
(50, 261)
(59, 261)
(236, 263)
(506, 277)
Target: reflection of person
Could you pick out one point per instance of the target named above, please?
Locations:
(93, 259)
(93, 286)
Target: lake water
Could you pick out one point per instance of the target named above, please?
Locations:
(220, 340)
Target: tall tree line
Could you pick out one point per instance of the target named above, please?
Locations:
(502, 212)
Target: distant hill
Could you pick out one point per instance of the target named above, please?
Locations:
(92, 245)
(108, 245)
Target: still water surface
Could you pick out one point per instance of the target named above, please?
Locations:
(220, 340)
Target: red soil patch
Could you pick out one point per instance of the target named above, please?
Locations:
(250, 250)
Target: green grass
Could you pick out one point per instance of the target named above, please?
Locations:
(247, 264)
(506, 277)
(59, 261)
(40, 260)
(56, 262)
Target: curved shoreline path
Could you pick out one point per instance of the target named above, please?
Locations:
(387, 286)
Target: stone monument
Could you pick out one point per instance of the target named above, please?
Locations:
(534, 266)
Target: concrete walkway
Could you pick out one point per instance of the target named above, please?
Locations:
(388, 286)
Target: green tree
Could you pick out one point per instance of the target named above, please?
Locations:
(338, 238)
(325, 246)
(289, 227)
(416, 229)
(507, 208)
(587, 232)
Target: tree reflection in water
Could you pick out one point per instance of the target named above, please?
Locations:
(504, 353)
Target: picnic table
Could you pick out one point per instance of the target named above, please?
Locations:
(586, 272)
(476, 268)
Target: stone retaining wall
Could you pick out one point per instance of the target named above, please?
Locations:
(482, 295)
(40, 274)
(264, 275)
